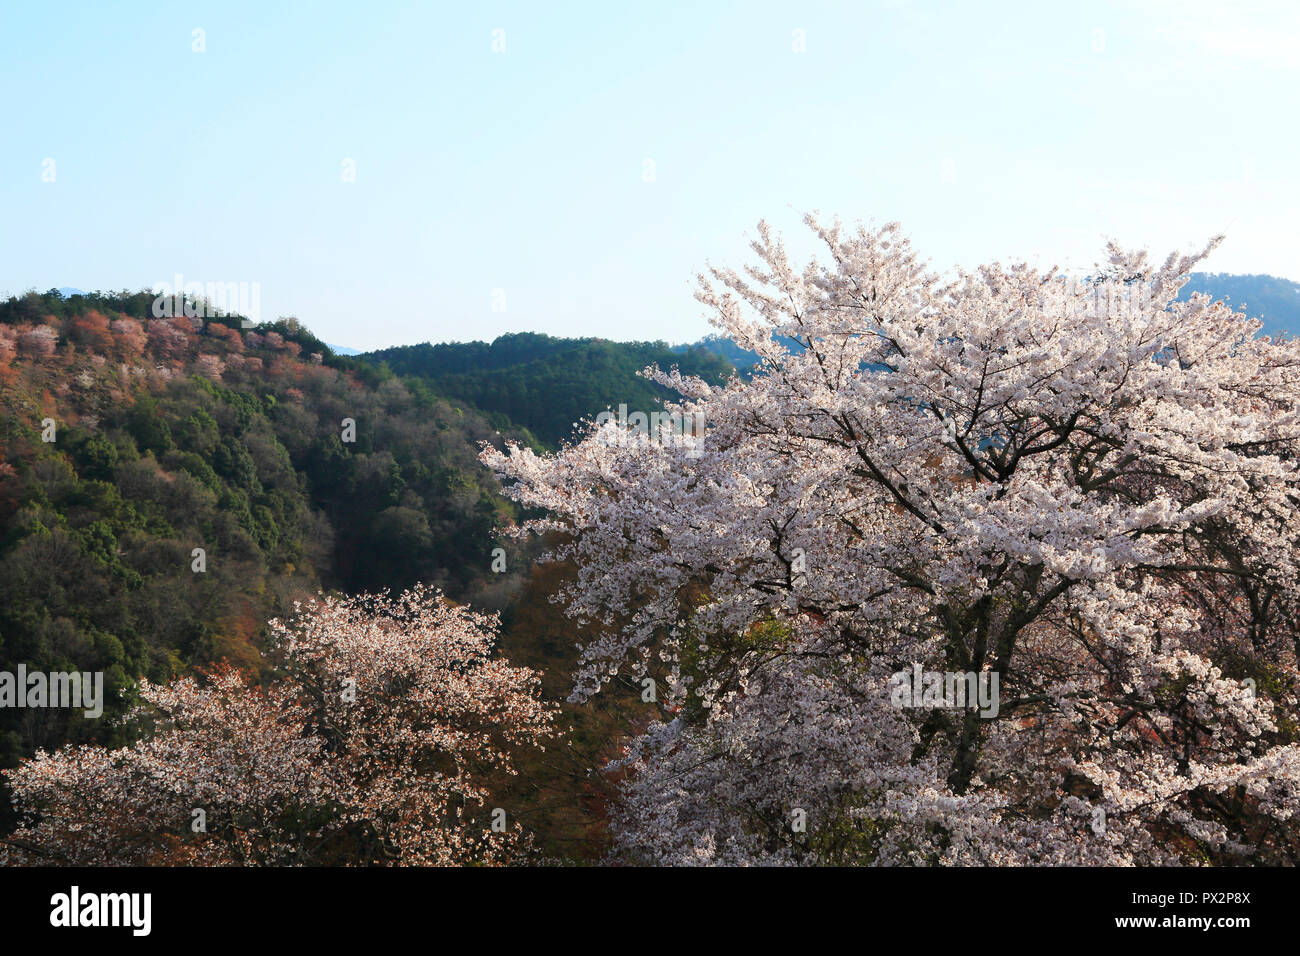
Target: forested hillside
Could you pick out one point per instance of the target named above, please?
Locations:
(127, 442)
(547, 384)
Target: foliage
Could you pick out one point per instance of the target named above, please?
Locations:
(547, 384)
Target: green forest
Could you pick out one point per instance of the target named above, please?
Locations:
(547, 384)
(129, 445)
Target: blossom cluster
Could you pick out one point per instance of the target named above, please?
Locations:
(980, 473)
(380, 742)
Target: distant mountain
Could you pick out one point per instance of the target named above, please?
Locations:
(1276, 301)
(343, 350)
(546, 384)
(741, 359)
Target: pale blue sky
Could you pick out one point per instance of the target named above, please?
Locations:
(990, 130)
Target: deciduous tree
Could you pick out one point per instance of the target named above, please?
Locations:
(1085, 487)
(379, 744)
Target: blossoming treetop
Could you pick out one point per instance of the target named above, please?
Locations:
(1088, 488)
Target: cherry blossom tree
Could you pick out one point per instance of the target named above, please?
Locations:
(168, 340)
(1087, 488)
(130, 334)
(37, 341)
(379, 743)
(210, 366)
